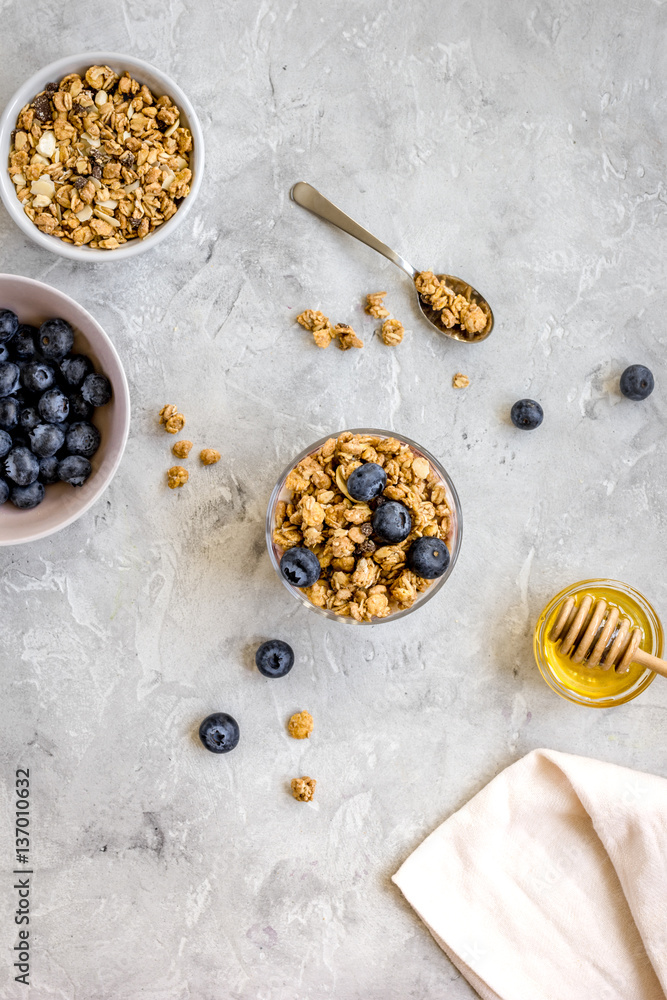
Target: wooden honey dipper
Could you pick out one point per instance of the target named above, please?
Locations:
(586, 635)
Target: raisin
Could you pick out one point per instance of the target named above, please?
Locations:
(42, 108)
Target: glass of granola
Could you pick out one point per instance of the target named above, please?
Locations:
(364, 579)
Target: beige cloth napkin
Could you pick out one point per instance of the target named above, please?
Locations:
(551, 883)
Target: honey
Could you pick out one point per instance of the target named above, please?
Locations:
(596, 686)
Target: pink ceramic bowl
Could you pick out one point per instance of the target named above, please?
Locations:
(34, 302)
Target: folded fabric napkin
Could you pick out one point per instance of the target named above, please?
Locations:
(551, 883)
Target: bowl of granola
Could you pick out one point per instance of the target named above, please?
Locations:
(103, 157)
(314, 517)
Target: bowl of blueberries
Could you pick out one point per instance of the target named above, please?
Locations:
(64, 410)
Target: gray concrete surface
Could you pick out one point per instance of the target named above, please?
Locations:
(519, 145)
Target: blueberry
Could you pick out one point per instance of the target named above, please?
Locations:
(4, 352)
(4, 491)
(9, 324)
(392, 521)
(24, 343)
(428, 557)
(83, 439)
(527, 414)
(46, 440)
(29, 418)
(5, 443)
(9, 378)
(274, 658)
(79, 408)
(21, 466)
(26, 497)
(37, 376)
(9, 413)
(74, 470)
(219, 732)
(637, 382)
(75, 368)
(55, 339)
(53, 406)
(96, 389)
(48, 470)
(367, 481)
(300, 566)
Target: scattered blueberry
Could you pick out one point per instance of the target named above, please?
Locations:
(48, 470)
(5, 443)
(37, 376)
(21, 466)
(637, 382)
(53, 406)
(392, 521)
(83, 439)
(9, 378)
(428, 557)
(79, 408)
(527, 414)
(29, 418)
(9, 413)
(75, 368)
(56, 337)
(367, 481)
(25, 340)
(4, 491)
(9, 324)
(26, 497)
(96, 389)
(46, 440)
(219, 732)
(74, 469)
(274, 658)
(300, 566)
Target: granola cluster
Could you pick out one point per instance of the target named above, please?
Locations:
(323, 332)
(362, 577)
(303, 789)
(300, 726)
(100, 160)
(460, 381)
(174, 422)
(392, 330)
(452, 309)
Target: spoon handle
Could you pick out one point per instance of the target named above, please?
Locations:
(306, 196)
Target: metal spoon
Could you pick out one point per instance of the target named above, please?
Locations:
(306, 196)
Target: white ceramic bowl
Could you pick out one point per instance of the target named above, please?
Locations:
(34, 302)
(157, 82)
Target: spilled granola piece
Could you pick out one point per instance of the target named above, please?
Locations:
(300, 726)
(177, 476)
(460, 381)
(173, 420)
(303, 789)
(392, 332)
(182, 449)
(319, 326)
(209, 456)
(347, 338)
(375, 306)
(452, 309)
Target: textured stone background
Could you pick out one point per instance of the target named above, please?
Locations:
(519, 145)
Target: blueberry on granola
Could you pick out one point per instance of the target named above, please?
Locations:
(527, 414)
(56, 338)
(637, 382)
(366, 482)
(21, 466)
(25, 497)
(428, 557)
(53, 406)
(74, 469)
(300, 566)
(219, 732)
(392, 521)
(96, 389)
(9, 324)
(9, 378)
(274, 658)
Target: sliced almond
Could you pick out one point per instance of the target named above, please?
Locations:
(47, 144)
(91, 140)
(19, 180)
(101, 98)
(107, 218)
(44, 186)
(341, 484)
(169, 179)
(129, 188)
(130, 113)
(36, 158)
(41, 201)
(109, 203)
(85, 214)
(172, 128)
